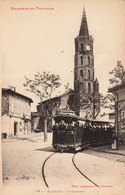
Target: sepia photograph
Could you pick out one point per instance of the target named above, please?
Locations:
(62, 97)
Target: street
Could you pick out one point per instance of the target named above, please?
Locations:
(23, 160)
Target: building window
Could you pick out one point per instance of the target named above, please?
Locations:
(81, 60)
(88, 74)
(21, 126)
(81, 73)
(88, 60)
(89, 88)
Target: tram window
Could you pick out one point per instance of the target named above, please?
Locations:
(81, 60)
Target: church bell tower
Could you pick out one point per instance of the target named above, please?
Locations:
(84, 84)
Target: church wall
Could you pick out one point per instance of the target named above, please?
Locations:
(63, 100)
(87, 60)
(121, 95)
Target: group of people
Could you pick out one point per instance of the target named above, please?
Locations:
(89, 132)
(98, 133)
(63, 126)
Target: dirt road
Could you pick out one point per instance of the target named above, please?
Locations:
(22, 169)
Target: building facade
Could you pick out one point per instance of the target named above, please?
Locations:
(16, 113)
(119, 93)
(35, 121)
(86, 87)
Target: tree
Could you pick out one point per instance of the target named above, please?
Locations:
(108, 101)
(88, 105)
(43, 85)
(118, 73)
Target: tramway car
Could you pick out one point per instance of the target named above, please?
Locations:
(71, 132)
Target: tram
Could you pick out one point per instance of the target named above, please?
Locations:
(71, 132)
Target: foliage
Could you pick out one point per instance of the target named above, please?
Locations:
(43, 84)
(108, 101)
(117, 73)
(48, 108)
(67, 88)
(87, 104)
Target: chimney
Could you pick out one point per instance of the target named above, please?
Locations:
(118, 63)
(12, 88)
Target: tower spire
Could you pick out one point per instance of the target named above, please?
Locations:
(84, 26)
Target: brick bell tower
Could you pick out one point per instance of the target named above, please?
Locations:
(85, 88)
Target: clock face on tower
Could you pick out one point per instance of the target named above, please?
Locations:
(87, 47)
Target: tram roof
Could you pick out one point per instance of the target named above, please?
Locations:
(76, 118)
(71, 116)
(102, 121)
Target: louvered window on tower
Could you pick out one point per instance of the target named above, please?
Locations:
(89, 88)
(75, 75)
(81, 73)
(81, 60)
(88, 74)
(81, 47)
(88, 60)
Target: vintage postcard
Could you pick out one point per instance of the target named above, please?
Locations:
(62, 97)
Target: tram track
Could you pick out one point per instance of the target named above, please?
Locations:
(43, 170)
(73, 161)
(74, 164)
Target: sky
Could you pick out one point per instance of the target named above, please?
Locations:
(43, 40)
